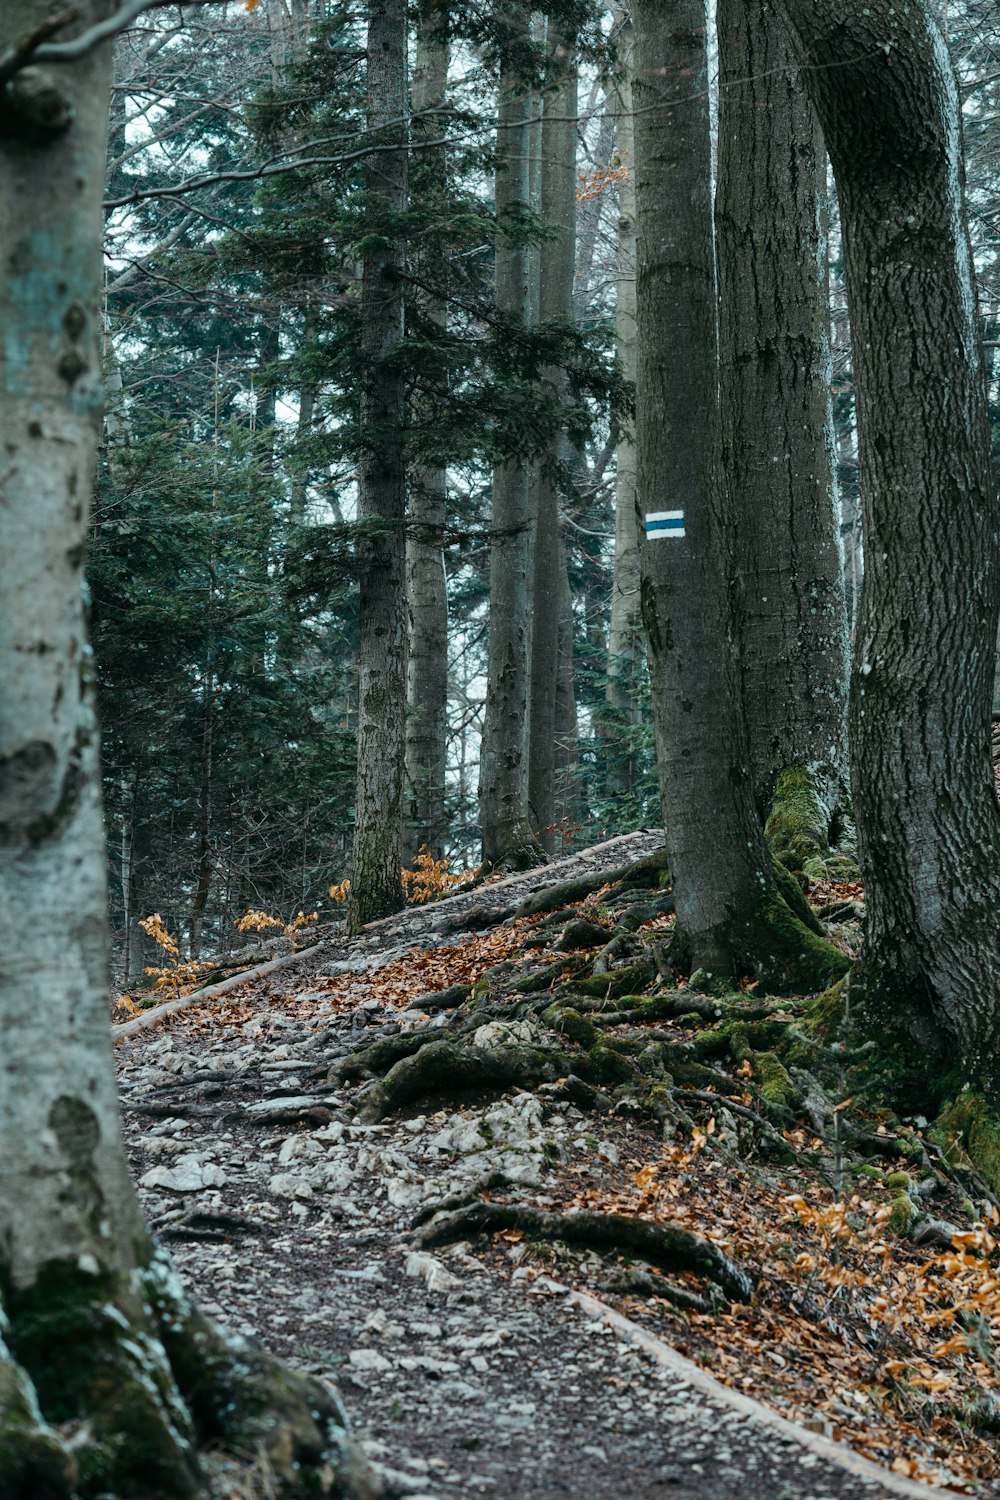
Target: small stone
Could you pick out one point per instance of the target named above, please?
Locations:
(189, 1175)
(288, 1185)
(369, 1359)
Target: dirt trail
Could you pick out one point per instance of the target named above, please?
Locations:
(466, 1370)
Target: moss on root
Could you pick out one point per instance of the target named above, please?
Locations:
(141, 1382)
(973, 1124)
(788, 955)
(88, 1345)
(34, 1464)
(797, 825)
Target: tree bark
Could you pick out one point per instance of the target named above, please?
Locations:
(376, 888)
(728, 908)
(555, 305)
(426, 581)
(777, 444)
(928, 817)
(625, 640)
(503, 768)
(110, 1380)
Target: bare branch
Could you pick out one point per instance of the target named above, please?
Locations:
(36, 48)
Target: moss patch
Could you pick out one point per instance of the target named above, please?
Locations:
(797, 825)
(86, 1342)
(970, 1120)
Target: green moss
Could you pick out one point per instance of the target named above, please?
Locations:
(618, 981)
(783, 951)
(776, 1087)
(569, 1022)
(86, 1342)
(898, 1180)
(865, 1169)
(796, 828)
(900, 1215)
(827, 1013)
(970, 1121)
(604, 1065)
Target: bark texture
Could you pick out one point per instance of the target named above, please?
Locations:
(376, 888)
(928, 817)
(555, 305)
(426, 583)
(777, 444)
(626, 647)
(729, 909)
(503, 768)
(110, 1381)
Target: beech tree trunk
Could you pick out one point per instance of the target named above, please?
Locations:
(626, 647)
(376, 887)
(426, 583)
(728, 907)
(110, 1379)
(503, 768)
(928, 818)
(555, 304)
(777, 439)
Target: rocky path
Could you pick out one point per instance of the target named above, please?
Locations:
(468, 1371)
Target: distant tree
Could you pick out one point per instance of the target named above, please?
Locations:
(626, 647)
(426, 580)
(557, 140)
(376, 888)
(508, 838)
(111, 1380)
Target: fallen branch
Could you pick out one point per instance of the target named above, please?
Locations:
(149, 1018)
(664, 1245)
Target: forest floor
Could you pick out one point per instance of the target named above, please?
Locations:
(403, 1166)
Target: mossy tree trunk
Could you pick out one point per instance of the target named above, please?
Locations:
(376, 888)
(729, 909)
(928, 817)
(777, 443)
(97, 1339)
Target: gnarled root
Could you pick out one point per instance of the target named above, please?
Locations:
(664, 1245)
(444, 1068)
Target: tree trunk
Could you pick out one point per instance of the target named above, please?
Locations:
(137, 889)
(928, 818)
(110, 1380)
(555, 305)
(426, 582)
(728, 908)
(376, 888)
(625, 642)
(503, 767)
(777, 442)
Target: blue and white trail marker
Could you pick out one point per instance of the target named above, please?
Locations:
(663, 523)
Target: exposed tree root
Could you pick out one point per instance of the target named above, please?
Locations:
(647, 872)
(442, 1069)
(637, 1281)
(663, 1245)
(139, 1383)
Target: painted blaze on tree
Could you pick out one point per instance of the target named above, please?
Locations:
(97, 1336)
